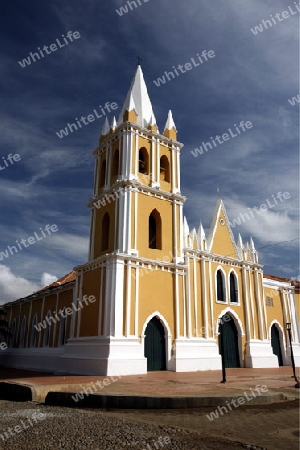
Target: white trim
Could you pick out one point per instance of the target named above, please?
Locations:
(153, 160)
(195, 292)
(236, 281)
(178, 169)
(47, 332)
(100, 318)
(137, 299)
(204, 295)
(136, 155)
(236, 319)
(173, 183)
(79, 312)
(135, 218)
(168, 335)
(284, 311)
(177, 317)
(294, 318)
(246, 302)
(262, 292)
(258, 305)
(41, 318)
(75, 302)
(214, 225)
(127, 313)
(224, 285)
(63, 323)
(239, 327)
(54, 328)
(283, 342)
(98, 169)
(161, 318)
(29, 321)
(108, 165)
(252, 304)
(211, 294)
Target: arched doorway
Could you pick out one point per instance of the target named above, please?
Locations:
(230, 341)
(155, 347)
(275, 342)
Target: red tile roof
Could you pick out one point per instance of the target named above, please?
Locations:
(286, 280)
(60, 282)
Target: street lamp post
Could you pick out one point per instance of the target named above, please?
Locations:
(288, 327)
(221, 337)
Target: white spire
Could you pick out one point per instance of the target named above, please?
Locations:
(186, 229)
(252, 246)
(152, 120)
(106, 128)
(114, 123)
(240, 242)
(194, 237)
(201, 237)
(170, 122)
(131, 104)
(201, 232)
(138, 99)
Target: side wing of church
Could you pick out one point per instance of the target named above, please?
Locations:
(153, 292)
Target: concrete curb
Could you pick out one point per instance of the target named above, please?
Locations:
(139, 402)
(16, 392)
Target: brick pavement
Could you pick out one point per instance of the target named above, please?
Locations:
(161, 383)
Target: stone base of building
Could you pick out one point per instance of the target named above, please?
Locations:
(259, 355)
(40, 359)
(296, 352)
(82, 356)
(105, 356)
(192, 355)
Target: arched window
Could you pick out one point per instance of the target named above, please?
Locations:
(62, 332)
(233, 288)
(155, 230)
(143, 161)
(105, 232)
(33, 332)
(103, 173)
(22, 333)
(164, 169)
(47, 332)
(220, 287)
(115, 165)
(13, 333)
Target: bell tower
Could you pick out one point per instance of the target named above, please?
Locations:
(135, 266)
(137, 207)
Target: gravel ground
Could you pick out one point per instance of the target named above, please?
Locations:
(43, 427)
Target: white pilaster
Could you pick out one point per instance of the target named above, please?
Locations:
(246, 302)
(80, 298)
(253, 316)
(41, 319)
(195, 294)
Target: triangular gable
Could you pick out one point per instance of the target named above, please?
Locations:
(221, 240)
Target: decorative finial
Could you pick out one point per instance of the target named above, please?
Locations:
(139, 60)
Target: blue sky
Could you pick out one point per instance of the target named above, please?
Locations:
(251, 78)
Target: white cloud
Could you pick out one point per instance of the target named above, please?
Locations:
(13, 287)
(47, 279)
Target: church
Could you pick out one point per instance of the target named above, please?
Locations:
(153, 295)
